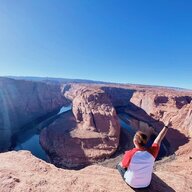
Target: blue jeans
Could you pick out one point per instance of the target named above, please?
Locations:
(121, 170)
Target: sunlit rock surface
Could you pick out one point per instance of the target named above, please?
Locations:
(20, 171)
(165, 105)
(87, 134)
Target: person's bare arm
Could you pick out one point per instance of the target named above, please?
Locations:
(162, 134)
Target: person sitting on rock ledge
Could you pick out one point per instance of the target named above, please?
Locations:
(136, 166)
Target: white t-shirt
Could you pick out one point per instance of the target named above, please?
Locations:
(139, 165)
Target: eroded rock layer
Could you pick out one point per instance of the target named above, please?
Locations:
(88, 133)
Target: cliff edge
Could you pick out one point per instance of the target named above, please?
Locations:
(33, 174)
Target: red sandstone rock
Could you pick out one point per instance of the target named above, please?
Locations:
(21, 171)
(75, 139)
(147, 104)
(23, 102)
(165, 105)
(88, 135)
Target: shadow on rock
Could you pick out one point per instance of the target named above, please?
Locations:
(176, 139)
(157, 184)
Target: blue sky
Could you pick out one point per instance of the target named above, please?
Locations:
(130, 41)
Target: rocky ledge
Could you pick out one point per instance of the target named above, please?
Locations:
(32, 174)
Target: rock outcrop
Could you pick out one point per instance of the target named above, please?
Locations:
(23, 102)
(32, 174)
(164, 106)
(87, 134)
(151, 104)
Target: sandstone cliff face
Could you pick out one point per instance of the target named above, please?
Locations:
(94, 109)
(164, 106)
(91, 116)
(32, 174)
(157, 106)
(151, 104)
(87, 134)
(22, 102)
(119, 96)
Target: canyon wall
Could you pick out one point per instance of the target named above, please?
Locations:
(89, 133)
(91, 129)
(165, 105)
(23, 102)
(156, 106)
